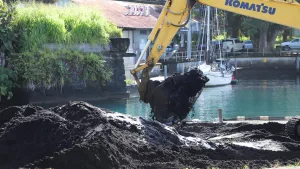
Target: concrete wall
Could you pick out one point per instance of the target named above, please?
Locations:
(138, 38)
(265, 63)
(84, 47)
(253, 64)
(180, 67)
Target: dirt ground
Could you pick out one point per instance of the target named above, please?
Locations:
(80, 136)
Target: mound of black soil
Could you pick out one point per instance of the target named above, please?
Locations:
(80, 136)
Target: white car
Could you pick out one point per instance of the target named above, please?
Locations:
(232, 45)
(294, 44)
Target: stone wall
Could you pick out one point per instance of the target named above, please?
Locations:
(116, 63)
(116, 87)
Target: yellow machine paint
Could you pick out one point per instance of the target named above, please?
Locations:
(280, 12)
(176, 14)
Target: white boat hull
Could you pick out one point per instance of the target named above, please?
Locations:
(217, 79)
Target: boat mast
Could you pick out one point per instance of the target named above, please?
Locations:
(208, 32)
(218, 33)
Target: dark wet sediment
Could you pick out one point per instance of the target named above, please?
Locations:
(78, 135)
(174, 97)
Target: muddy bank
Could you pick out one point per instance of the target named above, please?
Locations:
(78, 135)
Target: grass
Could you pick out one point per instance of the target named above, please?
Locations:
(42, 23)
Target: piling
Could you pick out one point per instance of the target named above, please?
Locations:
(297, 64)
(220, 116)
(165, 71)
(236, 73)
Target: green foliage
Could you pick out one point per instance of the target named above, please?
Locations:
(42, 24)
(251, 26)
(7, 17)
(130, 82)
(7, 76)
(43, 1)
(47, 69)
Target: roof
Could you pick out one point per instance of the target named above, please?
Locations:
(115, 11)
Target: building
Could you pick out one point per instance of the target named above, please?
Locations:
(135, 19)
(297, 32)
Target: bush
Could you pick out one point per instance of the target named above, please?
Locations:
(40, 24)
(52, 70)
(7, 77)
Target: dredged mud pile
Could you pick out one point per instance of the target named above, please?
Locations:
(78, 135)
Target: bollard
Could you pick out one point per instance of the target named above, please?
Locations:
(297, 64)
(166, 71)
(220, 116)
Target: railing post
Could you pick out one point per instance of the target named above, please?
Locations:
(297, 64)
(220, 116)
(166, 71)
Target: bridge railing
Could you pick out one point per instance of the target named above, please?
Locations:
(263, 53)
(198, 55)
(182, 56)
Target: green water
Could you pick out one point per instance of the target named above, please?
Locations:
(248, 98)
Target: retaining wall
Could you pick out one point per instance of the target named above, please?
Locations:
(265, 62)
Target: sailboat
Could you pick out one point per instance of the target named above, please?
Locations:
(217, 72)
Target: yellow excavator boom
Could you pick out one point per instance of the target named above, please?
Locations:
(176, 14)
(280, 12)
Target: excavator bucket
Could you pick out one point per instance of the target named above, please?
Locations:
(172, 99)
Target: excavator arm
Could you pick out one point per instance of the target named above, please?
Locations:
(167, 99)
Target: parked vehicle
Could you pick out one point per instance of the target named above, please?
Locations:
(214, 45)
(232, 45)
(169, 48)
(248, 44)
(217, 44)
(293, 44)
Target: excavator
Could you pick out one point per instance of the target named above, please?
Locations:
(173, 99)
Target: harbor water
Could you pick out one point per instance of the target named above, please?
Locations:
(250, 98)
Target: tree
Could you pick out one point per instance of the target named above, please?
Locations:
(262, 33)
(288, 32)
(234, 22)
(7, 14)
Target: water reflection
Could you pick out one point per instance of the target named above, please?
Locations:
(248, 98)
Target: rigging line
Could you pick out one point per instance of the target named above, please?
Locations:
(218, 33)
(200, 36)
(204, 23)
